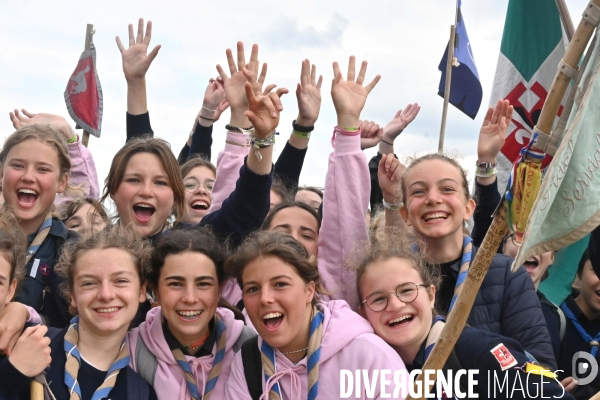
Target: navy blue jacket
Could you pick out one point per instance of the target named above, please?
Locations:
(473, 350)
(572, 343)
(14, 385)
(506, 304)
(50, 305)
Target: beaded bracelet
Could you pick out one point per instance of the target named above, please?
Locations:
(261, 143)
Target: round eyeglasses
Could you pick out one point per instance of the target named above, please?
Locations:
(406, 293)
(191, 185)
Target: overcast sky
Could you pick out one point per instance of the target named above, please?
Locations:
(403, 41)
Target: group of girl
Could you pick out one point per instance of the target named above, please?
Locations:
(168, 251)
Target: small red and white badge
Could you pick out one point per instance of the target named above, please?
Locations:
(504, 357)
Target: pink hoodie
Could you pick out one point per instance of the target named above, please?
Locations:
(83, 172)
(169, 380)
(345, 203)
(348, 343)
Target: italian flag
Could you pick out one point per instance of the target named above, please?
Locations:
(533, 43)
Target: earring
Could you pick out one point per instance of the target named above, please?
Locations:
(308, 303)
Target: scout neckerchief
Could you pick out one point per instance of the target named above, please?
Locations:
(465, 262)
(592, 341)
(41, 235)
(74, 361)
(216, 368)
(312, 367)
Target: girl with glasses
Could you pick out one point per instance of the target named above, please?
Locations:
(397, 292)
(303, 342)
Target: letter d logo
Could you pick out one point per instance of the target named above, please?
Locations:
(583, 367)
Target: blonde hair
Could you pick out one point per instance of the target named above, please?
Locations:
(48, 135)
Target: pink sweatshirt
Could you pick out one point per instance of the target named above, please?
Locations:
(83, 172)
(348, 343)
(229, 162)
(169, 380)
(345, 203)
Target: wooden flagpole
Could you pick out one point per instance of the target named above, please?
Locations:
(462, 308)
(449, 63)
(88, 39)
(565, 18)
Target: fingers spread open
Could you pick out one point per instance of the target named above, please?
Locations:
(152, 55)
(320, 82)
(488, 116)
(27, 113)
(120, 45)
(269, 88)
(253, 57)
(232, 67)
(249, 94)
(351, 69)
(336, 71)
(371, 85)
(305, 74)
(267, 102)
(263, 74)
(240, 56)
(313, 74)
(148, 36)
(362, 73)
(140, 32)
(131, 35)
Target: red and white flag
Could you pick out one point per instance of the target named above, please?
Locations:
(84, 94)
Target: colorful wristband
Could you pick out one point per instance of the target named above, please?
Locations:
(73, 139)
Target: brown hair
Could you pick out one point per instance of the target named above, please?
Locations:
(289, 204)
(394, 246)
(280, 245)
(198, 240)
(313, 189)
(197, 161)
(47, 135)
(280, 189)
(440, 157)
(113, 237)
(13, 245)
(159, 148)
(71, 208)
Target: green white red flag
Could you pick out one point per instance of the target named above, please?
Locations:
(533, 43)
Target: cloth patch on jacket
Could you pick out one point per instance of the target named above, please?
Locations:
(504, 357)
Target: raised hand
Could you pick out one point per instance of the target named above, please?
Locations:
(308, 94)
(370, 134)
(349, 96)
(136, 59)
(214, 94)
(401, 120)
(388, 174)
(31, 354)
(56, 121)
(235, 83)
(263, 110)
(493, 131)
(224, 105)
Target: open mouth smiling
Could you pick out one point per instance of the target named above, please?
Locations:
(143, 211)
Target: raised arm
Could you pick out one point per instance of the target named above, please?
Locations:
(231, 159)
(308, 93)
(83, 170)
(386, 146)
(491, 139)
(200, 138)
(136, 61)
(347, 186)
(390, 169)
(245, 209)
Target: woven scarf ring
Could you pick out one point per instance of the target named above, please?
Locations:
(74, 361)
(314, 353)
(592, 341)
(465, 262)
(216, 368)
(41, 235)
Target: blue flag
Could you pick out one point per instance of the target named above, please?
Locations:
(465, 88)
